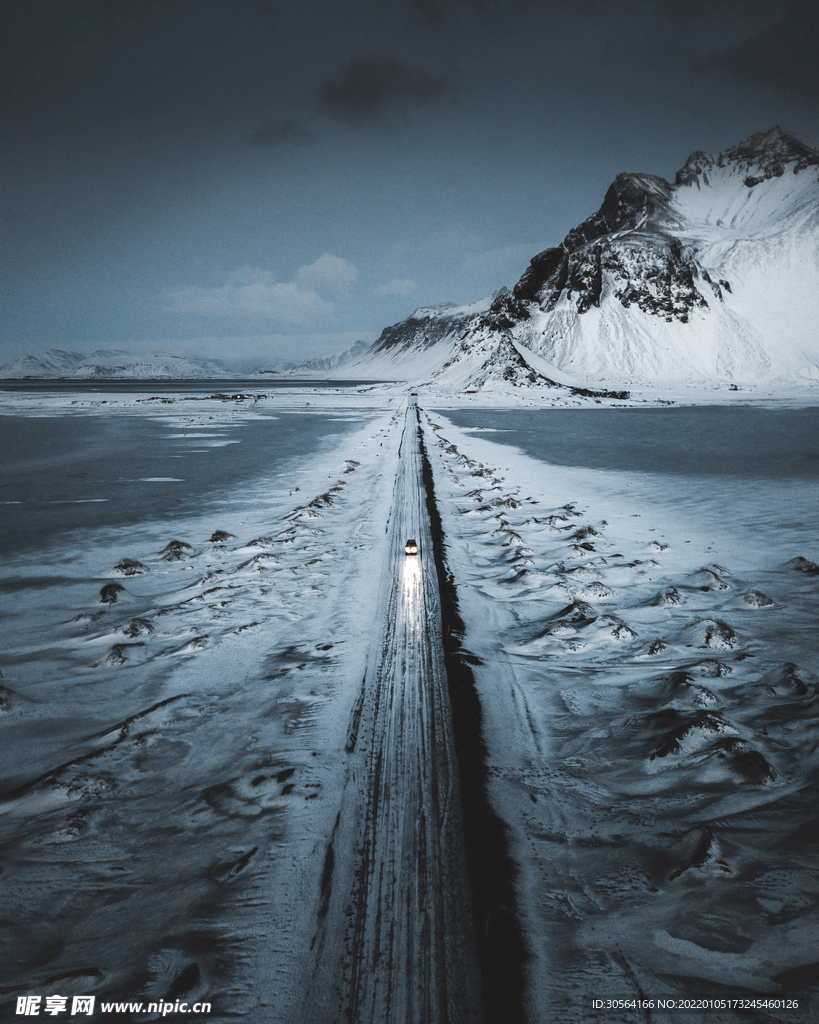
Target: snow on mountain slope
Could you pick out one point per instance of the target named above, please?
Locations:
(722, 191)
(321, 363)
(111, 363)
(459, 347)
(54, 362)
(711, 278)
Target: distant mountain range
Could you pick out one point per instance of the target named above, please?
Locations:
(111, 364)
(325, 363)
(712, 278)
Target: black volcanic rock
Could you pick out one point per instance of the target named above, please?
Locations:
(655, 272)
(548, 267)
(505, 312)
(766, 154)
(632, 201)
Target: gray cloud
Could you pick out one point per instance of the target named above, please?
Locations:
(327, 271)
(281, 132)
(255, 294)
(783, 55)
(251, 294)
(370, 87)
(398, 286)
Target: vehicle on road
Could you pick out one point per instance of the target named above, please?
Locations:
(411, 547)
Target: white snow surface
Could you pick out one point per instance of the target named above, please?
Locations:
(647, 678)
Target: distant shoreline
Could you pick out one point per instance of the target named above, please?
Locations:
(118, 383)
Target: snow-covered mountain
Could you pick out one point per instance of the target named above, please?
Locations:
(55, 362)
(274, 366)
(111, 363)
(713, 277)
(323, 363)
(441, 344)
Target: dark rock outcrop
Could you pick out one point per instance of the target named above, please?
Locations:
(629, 243)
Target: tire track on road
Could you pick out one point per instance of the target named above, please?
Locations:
(412, 954)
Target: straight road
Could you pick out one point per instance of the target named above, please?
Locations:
(412, 957)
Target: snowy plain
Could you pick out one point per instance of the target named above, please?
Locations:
(160, 682)
(647, 640)
(177, 694)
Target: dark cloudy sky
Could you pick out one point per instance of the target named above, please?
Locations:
(272, 178)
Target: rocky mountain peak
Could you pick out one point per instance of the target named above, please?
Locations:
(713, 275)
(760, 157)
(630, 248)
(776, 144)
(631, 201)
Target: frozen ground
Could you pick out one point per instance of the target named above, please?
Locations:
(58, 398)
(174, 703)
(648, 645)
(88, 471)
(190, 757)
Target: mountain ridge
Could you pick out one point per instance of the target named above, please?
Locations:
(113, 364)
(711, 277)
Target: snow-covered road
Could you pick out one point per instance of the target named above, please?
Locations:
(411, 954)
